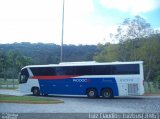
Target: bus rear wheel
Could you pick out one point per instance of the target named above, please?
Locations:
(107, 93)
(92, 93)
(36, 91)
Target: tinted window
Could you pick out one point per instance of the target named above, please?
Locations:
(65, 71)
(125, 69)
(102, 70)
(87, 70)
(84, 70)
(43, 71)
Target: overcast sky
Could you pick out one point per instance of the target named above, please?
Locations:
(86, 21)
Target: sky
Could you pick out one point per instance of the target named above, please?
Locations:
(85, 21)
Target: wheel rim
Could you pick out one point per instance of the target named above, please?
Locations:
(91, 93)
(106, 94)
(35, 91)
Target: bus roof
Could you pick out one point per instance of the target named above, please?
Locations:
(86, 63)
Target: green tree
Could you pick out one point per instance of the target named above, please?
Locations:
(131, 30)
(107, 52)
(149, 53)
(15, 61)
(2, 60)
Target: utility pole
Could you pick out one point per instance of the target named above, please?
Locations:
(61, 59)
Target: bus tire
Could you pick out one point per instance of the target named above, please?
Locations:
(36, 91)
(92, 93)
(107, 93)
(45, 94)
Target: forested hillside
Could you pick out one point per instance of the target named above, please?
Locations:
(50, 53)
(15, 56)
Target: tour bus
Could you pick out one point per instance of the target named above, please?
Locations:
(94, 79)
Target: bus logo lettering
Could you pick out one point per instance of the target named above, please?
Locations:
(81, 80)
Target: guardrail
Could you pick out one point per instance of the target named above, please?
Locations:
(8, 83)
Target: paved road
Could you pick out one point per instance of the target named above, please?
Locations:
(84, 105)
(11, 92)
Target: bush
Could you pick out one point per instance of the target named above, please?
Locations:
(156, 82)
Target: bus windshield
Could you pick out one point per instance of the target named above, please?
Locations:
(23, 76)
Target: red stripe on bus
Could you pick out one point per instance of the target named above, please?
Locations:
(52, 77)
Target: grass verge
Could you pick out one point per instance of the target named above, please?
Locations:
(27, 100)
(152, 94)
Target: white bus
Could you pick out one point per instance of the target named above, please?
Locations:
(94, 79)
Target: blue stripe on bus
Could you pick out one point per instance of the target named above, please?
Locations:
(77, 86)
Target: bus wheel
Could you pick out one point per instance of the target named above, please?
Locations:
(45, 94)
(36, 91)
(92, 93)
(107, 93)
